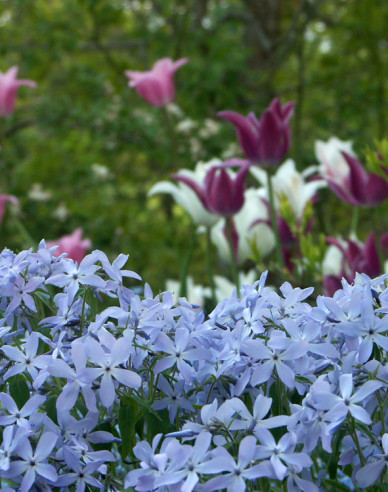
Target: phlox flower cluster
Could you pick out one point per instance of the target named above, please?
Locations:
(107, 390)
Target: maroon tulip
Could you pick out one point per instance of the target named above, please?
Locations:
(359, 187)
(357, 259)
(267, 141)
(220, 194)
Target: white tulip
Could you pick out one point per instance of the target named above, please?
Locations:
(333, 261)
(260, 234)
(224, 287)
(196, 294)
(333, 165)
(289, 183)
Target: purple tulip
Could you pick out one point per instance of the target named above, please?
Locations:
(156, 86)
(8, 90)
(267, 141)
(220, 194)
(359, 187)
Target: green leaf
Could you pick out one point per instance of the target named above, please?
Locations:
(365, 429)
(276, 400)
(334, 456)
(91, 301)
(336, 485)
(51, 408)
(158, 424)
(145, 405)
(301, 379)
(42, 296)
(19, 390)
(127, 421)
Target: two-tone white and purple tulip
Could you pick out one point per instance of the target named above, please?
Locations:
(220, 194)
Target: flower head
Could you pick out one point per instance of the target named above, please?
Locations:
(265, 141)
(185, 194)
(346, 175)
(73, 245)
(220, 194)
(295, 187)
(354, 257)
(8, 90)
(333, 165)
(251, 228)
(156, 86)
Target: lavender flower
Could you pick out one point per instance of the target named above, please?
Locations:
(237, 472)
(26, 359)
(221, 379)
(19, 416)
(109, 368)
(281, 452)
(34, 463)
(370, 473)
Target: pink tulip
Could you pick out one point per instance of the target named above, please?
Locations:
(8, 90)
(3, 200)
(220, 194)
(265, 141)
(73, 245)
(157, 85)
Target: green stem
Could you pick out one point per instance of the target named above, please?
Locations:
(209, 264)
(210, 391)
(382, 413)
(380, 254)
(82, 321)
(274, 222)
(23, 232)
(229, 230)
(287, 405)
(356, 442)
(186, 263)
(279, 394)
(3, 167)
(171, 135)
(354, 221)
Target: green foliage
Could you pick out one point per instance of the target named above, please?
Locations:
(19, 391)
(51, 408)
(377, 158)
(127, 422)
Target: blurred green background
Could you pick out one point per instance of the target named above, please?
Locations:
(83, 149)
